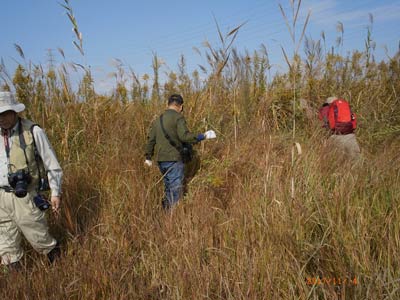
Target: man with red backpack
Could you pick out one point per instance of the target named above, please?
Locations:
(338, 117)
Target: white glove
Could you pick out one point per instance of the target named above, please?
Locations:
(210, 134)
(148, 162)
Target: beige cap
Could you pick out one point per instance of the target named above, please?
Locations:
(8, 102)
(329, 100)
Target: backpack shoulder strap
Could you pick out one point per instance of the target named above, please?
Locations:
(43, 180)
(33, 138)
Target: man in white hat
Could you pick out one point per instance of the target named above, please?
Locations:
(28, 166)
(344, 140)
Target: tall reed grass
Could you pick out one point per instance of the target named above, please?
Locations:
(238, 234)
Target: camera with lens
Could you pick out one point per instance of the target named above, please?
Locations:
(41, 202)
(19, 182)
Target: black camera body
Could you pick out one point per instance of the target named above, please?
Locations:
(19, 182)
(41, 202)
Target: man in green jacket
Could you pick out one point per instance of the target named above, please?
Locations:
(168, 133)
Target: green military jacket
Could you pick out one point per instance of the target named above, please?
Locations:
(175, 126)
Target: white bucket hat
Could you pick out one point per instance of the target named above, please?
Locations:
(8, 102)
(329, 100)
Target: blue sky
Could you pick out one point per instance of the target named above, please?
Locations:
(132, 31)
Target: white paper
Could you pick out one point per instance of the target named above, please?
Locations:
(210, 134)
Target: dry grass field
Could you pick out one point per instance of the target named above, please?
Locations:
(241, 232)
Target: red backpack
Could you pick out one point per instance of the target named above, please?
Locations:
(341, 119)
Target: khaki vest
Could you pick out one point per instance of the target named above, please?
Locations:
(17, 156)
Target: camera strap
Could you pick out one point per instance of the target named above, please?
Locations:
(7, 147)
(22, 143)
(6, 142)
(173, 144)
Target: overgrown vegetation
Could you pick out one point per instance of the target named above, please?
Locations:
(239, 233)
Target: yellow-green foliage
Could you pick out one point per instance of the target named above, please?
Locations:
(238, 234)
